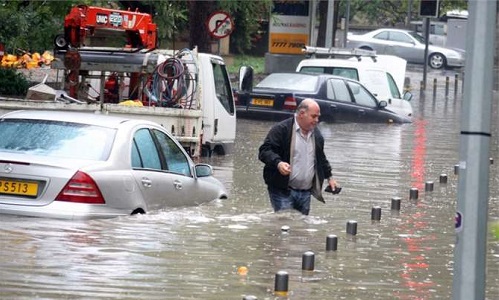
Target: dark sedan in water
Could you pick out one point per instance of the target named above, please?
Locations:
(341, 100)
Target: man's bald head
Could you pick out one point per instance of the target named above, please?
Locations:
(307, 114)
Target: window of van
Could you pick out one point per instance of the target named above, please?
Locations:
(222, 86)
(350, 73)
(393, 86)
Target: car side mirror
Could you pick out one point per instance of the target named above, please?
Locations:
(203, 170)
(246, 79)
(408, 96)
(382, 104)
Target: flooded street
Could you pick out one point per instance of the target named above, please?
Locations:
(195, 252)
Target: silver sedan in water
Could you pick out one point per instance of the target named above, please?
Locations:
(408, 45)
(81, 165)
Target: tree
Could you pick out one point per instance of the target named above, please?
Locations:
(250, 18)
(199, 11)
(32, 25)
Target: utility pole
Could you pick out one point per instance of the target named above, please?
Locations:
(330, 19)
(474, 162)
(347, 24)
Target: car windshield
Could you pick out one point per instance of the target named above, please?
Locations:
(56, 139)
(297, 82)
(417, 36)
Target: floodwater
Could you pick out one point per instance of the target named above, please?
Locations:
(196, 252)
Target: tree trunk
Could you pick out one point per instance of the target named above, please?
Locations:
(199, 11)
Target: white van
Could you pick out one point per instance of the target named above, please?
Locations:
(383, 75)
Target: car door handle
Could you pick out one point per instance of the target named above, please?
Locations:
(177, 184)
(333, 107)
(362, 112)
(146, 182)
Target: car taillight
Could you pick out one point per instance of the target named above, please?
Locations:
(289, 103)
(81, 188)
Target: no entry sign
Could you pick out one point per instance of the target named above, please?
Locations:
(219, 24)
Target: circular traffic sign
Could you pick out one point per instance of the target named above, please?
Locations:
(219, 24)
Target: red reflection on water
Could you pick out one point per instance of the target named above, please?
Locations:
(419, 152)
(415, 266)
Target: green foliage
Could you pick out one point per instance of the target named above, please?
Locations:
(392, 12)
(257, 62)
(494, 228)
(247, 17)
(383, 12)
(31, 25)
(12, 83)
(171, 18)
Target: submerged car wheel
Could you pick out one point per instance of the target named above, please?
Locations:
(437, 61)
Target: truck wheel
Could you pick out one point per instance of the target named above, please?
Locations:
(206, 151)
(437, 61)
(60, 42)
(219, 150)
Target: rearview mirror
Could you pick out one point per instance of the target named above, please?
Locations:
(382, 104)
(203, 170)
(408, 96)
(246, 78)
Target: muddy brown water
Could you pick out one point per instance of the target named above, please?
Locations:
(195, 252)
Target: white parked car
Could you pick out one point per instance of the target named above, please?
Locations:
(75, 165)
(408, 45)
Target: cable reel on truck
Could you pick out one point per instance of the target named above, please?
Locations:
(170, 84)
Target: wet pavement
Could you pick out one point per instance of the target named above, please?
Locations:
(196, 252)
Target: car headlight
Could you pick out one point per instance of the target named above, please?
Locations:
(454, 55)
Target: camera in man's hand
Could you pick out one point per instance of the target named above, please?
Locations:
(336, 190)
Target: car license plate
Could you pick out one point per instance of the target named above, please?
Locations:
(262, 102)
(22, 188)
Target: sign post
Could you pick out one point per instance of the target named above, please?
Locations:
(219, 25)
(470, 252)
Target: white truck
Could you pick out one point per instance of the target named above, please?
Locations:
(111, 65)
(199, 113)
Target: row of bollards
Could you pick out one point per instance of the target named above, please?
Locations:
(447, 84)
(308, 258)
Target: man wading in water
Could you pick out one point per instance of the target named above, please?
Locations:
(295, 163)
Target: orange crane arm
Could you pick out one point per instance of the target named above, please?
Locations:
(84, 20)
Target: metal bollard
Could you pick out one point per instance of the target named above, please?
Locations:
(491, 161)
(462, 84)
(352, 227)
(396, 203)
(421, 86)
(285, 229)
(308, 261)
(331, 242)
(428, 186)
(456, 169)
(455, 84)
(281, 283)
(446, 86)
(434, 87)
(376, 213)
(250, 297)
(413, 194)
(443, 178)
